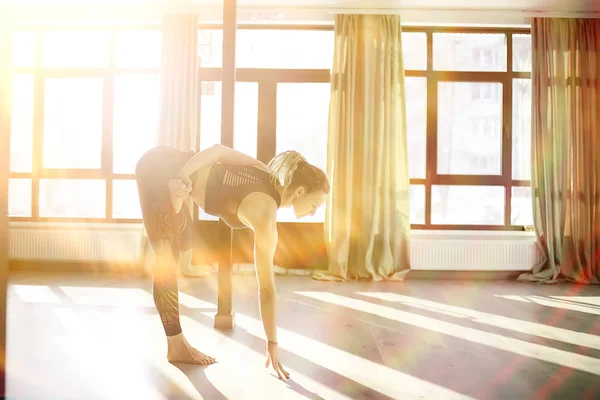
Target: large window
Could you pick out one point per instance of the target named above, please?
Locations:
(281, 95)
(86, 107)
(469, 118)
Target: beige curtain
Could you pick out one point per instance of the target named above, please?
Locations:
(179, 113)
(179, 105)
(565, 149)
(367, 219)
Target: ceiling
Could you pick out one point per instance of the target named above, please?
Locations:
(468, 12)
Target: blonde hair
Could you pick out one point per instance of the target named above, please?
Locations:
(290, 170)
(284, 165)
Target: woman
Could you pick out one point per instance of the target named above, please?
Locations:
(243, 192)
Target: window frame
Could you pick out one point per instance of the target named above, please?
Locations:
(108, 74)
(267, 80)
(433, 78)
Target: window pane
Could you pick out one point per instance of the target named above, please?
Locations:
(72, 198)
(467, 205)
(24, 49)
(245, 133)
(73, 123)
(136, 113)
(302, 124)
(521, 129)
(75, 49)
(210, 48)
(469, 128)
(245, 119)
(414, 50)
(417, 204)
(126, 202)
(522, 53)
(302, 49)
(416, 115)
(21, 138)
(138, 49)
(469, 52)
(521, 206)
(19, 198)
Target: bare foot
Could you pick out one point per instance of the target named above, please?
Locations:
(181, 351)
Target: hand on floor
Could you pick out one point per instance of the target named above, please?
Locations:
(273, 358)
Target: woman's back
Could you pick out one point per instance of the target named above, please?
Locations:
(220, 189)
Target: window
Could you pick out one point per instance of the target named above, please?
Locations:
(138, 49)
(297, 49)
(72, 198)
(24, 49)
(521, 53)
(64, 106)
(210, 48)
(416, 121)
(245, 134)
(76, 49)
(19, 197)
(414, 50)
(73, 123)
(469, 51)
(458, 146)
(302, 124)
(21, 138)
(521, 129)
(245, 119)
(467, 205)
(135, 119)
(459, 180)
(270, 48)
(86, 107)
(126, 202)
(417, 204)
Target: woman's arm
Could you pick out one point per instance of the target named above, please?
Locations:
(265, 243)
(218, 153)
(259, 212)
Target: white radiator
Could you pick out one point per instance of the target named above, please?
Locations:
(474, 251)
(75, 242)
(430, 250)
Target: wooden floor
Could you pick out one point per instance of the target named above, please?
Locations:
(94, 337)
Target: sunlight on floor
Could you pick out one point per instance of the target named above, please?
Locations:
(381, 378)
(517, 325)
(557, 303)
(95, 338)
(532, 350)
(593, 300)
(100, 296)
(238, 363)
(36, 294)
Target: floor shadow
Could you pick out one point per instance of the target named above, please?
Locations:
(298, 363)
(296, 387)
(197, 375)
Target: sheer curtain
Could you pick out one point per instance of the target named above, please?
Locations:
(367, 219)
(565, 146)
(179, 102)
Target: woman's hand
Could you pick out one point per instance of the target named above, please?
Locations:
(179, 191)
(187, 182)
(273, 358)
(180, 187)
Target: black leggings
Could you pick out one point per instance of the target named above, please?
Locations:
(169, 233)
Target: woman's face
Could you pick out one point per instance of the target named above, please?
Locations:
(306, 204)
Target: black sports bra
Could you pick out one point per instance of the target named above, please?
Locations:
(228, 185)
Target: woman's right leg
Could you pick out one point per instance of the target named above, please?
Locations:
(163, 233)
